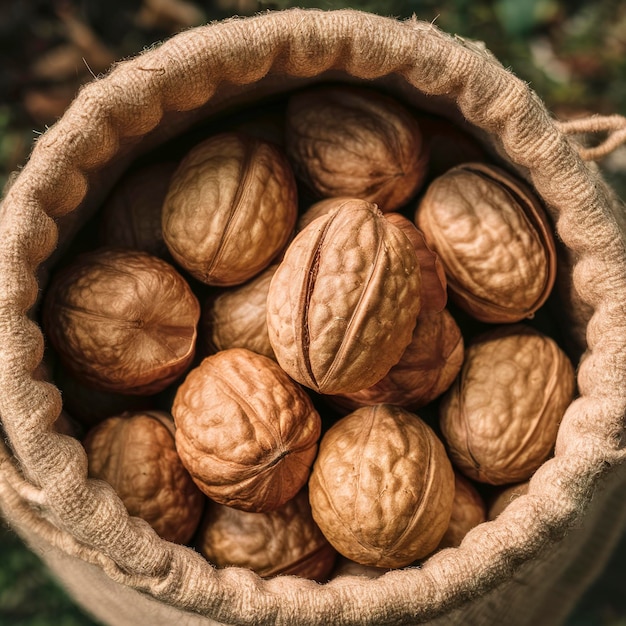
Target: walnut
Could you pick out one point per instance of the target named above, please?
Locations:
(356, 142)
(131, 215)
(433, 294)
(468, 510)
(381, 488)
(237, 317)
(135, 453)
(500, 417)
(505, 496)
(494, 240)
(230, 209)
(343, 303)
(284, 541)
(245, 431)
(122, 320)
(426, 369)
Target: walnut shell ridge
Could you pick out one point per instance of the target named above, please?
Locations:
(382, 487)
(136, 454)
(501, 416)
(285, 541)
(246, 432)
(356, 142)
(122, 320)
(343, 303)
(230, 209)
(494, 239)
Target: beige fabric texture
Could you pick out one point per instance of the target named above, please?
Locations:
(528, 565)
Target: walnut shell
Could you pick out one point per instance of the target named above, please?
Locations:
(136, 454)
(381, 488)
(230, 209)
(426, 369)
(433, 294)
(237, 317)
(494, 240)
(285, 541)
(122, 320)
(343, 303)
(501, 416)
(468, 510)
(245, 431)
(356, 142)
(131, 215)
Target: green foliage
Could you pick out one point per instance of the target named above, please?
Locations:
(29, 596)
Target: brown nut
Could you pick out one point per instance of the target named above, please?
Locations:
(245, 431)
(343, 302)
(136, 454)
(468, 510)
(285, 541)
(382, 487)
(122, 320)
(131, 215)
(356, 142)
(237, 317)
(494, 240)
(433, 295)
(501, 416)
(426, 369)
(230, 209)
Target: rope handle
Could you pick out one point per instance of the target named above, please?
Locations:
(613, 125)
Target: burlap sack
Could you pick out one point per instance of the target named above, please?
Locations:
(529, 565)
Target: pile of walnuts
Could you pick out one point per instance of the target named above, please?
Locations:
(303, 345)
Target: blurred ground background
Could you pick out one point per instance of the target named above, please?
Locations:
(572, 53)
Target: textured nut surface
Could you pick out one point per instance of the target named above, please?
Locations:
(426, 369)
(434, 295)
(352, 141)
(494, 240)
(230, 209)
(381, 488)
(136, 454)
(122, 320)
(131, 215)
(284, 541)
(500, 417)
(237, 317)
(343, 303)
(245, 431)
(468, 510)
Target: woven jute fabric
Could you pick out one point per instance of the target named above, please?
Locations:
(525, 567)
